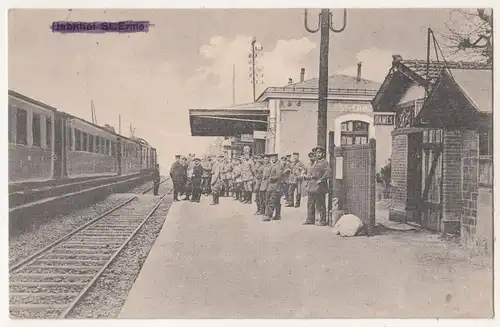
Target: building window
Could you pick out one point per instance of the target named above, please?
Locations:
(354, 132)
(486, 159)
(486, 143)
(48, 132)
(78, 140)
(12, 123)
(36, 129)
(22, 127)
(85, 142)
(432, 136)
(91, 143)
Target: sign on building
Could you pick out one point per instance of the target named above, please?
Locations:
(355, 107)
(383, 120)
(246, 138)
(259, 135)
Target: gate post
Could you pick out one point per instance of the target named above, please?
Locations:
(371, 186)
(331, 180)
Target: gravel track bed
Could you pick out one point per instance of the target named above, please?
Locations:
(106, 298)
(35, 314)
(42, 289)
(21, 246)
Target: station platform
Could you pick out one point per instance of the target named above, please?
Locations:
(223, 262)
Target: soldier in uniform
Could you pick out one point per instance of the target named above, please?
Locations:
(247, 176)
(156, 179)
(207, 172)
(266, 171)
(227, 171)
(178, 176)
(189, 173)
(259, 168)
(317, 188)
(295, 181)
(273, 190)
(285, 169)
(196, 180)
(237, 181)
(217, 180)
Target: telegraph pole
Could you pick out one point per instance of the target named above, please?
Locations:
(253, 67)
(324, 26)
(253, 55)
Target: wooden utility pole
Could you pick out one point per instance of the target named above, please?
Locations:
(324, 26)
(253, 67)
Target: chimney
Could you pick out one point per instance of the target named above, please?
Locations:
(358, 77)
(302, 73)
(290, 81)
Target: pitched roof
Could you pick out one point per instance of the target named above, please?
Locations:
(476, 85)
(416, 70)
(337, 81)
(419, 67)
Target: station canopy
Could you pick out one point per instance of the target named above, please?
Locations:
(231, 121)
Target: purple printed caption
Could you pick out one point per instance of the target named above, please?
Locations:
(129, 26)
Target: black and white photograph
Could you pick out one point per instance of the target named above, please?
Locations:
(257, 163)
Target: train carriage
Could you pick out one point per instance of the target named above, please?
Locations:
(91, 150)
(31, 139)
(48, 145)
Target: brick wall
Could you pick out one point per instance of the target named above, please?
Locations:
(452, 193)
(399, 176)
(470, 189)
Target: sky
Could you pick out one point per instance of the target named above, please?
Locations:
(186, 61)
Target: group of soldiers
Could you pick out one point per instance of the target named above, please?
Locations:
(265, 176)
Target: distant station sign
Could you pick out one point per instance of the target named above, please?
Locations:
(383, 120)
(246, 138)
(259, 134)
(355, 107)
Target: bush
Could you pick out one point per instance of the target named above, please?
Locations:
(384, 179)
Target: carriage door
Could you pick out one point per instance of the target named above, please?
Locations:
(59, 143)
(432, 172)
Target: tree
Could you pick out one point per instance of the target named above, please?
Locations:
(470, 31)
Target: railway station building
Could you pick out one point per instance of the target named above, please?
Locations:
(284, 119)
(441, 146)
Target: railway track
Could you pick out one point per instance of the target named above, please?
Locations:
(52, 281)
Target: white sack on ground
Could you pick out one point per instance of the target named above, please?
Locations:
(348, 225)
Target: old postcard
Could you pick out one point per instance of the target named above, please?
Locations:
(257, 163)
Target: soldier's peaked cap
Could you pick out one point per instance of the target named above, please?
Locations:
(177, 156)
(272, 154)
(311, 154)
(319, 148)
(283, 157)
(197, 159)
(295, 153)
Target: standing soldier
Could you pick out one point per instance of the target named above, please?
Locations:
(177, 174)
(207, 172)
(227, 172)
(189, 173)
(156, 179)
(237, 181)
(317, 187)
(217, 180)
(295, 181)
(266, 172)
(273, 190)
(285, 169)
(196, 180)
(259, 168)
(247, 174)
